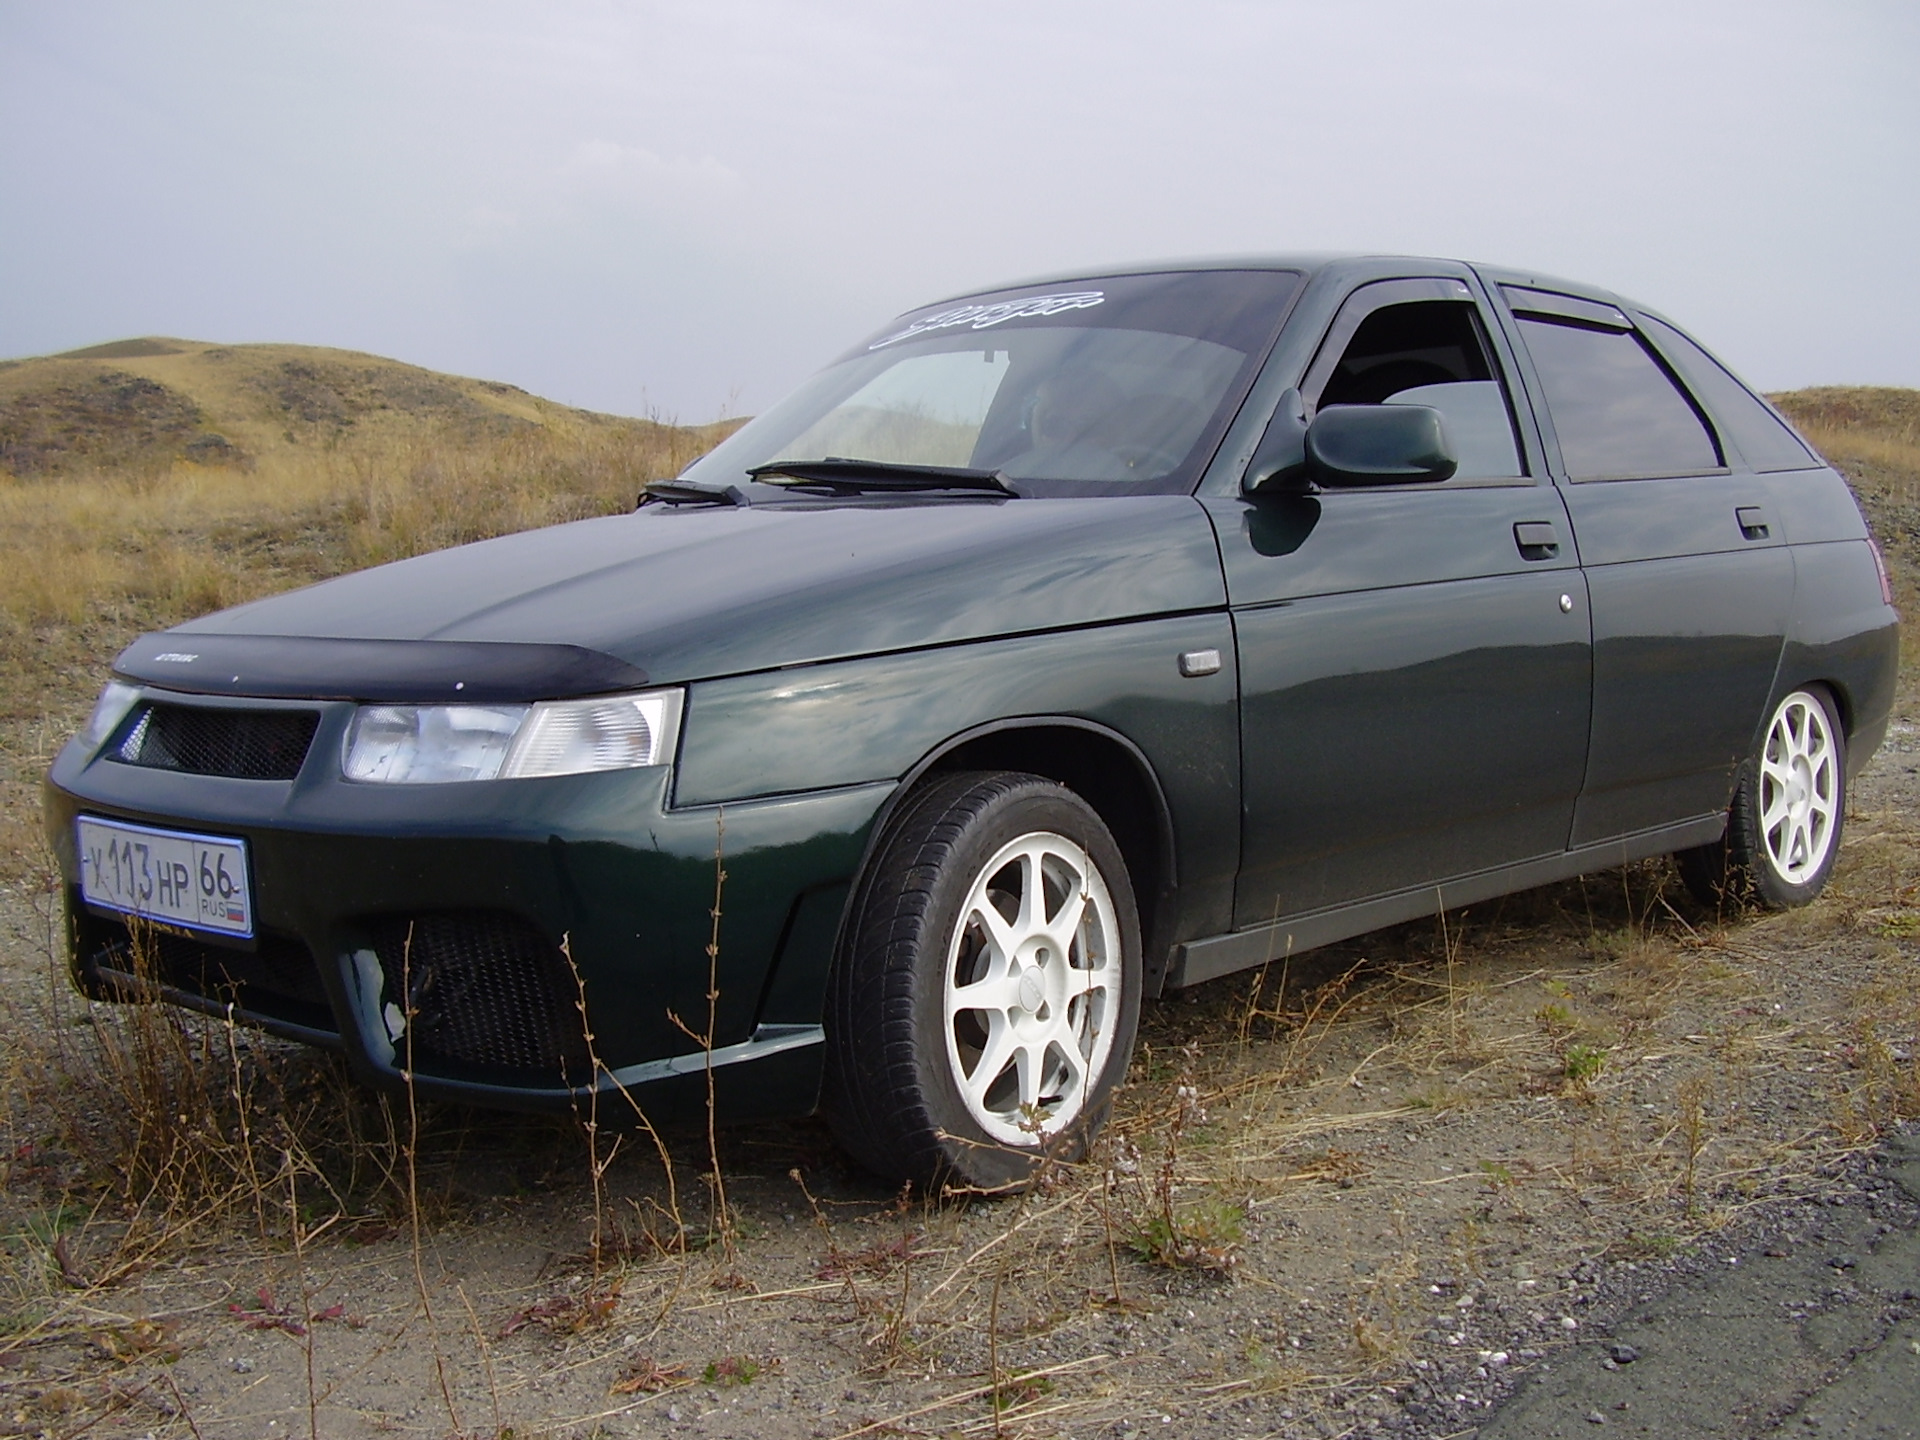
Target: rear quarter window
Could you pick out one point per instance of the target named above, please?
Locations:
(1762, 437)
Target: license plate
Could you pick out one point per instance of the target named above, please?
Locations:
(171, 876)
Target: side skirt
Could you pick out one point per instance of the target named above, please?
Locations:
(1198, 961)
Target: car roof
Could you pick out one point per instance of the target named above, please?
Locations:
(1307, 263)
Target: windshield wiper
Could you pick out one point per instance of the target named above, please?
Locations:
(842, 476)
(690, 492)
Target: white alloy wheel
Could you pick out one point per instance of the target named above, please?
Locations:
(982, 1008)
(1031, 987)
(1799, 789)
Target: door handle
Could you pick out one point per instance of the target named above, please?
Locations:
(1753, 522)
(1537, 539)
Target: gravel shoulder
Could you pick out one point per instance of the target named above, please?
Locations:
(1809, 1316)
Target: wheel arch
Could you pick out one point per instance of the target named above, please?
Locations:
(1100, 765)
(1843, 702)
(1834, 688)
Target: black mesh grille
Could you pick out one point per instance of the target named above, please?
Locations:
(242, 744)
(278, 980)
(484, 989)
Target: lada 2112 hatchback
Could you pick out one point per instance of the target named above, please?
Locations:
(1054, 647)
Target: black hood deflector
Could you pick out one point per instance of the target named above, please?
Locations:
(312, 668)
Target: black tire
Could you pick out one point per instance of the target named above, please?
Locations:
(900, 1093)
(1789, 805)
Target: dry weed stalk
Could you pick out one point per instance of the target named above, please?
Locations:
(722, 1217)
(415, 1249)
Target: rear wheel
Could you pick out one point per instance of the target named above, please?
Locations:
(1783, 828)
(985, 1002)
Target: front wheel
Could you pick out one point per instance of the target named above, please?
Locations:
(985, 1002)
(1783, 828)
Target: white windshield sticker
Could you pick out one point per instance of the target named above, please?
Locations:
(981, 317)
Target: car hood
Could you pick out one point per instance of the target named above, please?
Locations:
(666, 595)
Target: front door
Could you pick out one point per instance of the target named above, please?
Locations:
(1414, 660)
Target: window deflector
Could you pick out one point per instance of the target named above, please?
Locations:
(1479, 413)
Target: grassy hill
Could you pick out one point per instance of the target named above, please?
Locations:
(149, 480)
(157, 402)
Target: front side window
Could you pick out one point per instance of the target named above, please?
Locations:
(1425, 352)
(1616, 411)
(1116, 385)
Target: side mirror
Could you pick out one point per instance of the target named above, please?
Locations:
(1280, 460)
(1350, 445)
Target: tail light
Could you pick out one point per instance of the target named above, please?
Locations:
(1880, 569)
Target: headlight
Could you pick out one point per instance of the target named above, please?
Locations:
(436, 744)
(108, 711)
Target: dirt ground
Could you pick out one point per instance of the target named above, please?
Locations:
(1362, 1194)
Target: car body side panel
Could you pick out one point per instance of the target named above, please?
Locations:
(1814, 506)
(1845, 636)
(1684, 655)
(1415, 691)
(1399, 737)
(845, 723)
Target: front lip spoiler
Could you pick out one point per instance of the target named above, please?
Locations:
(126, 985)
(635, 1084)
(630, 1081)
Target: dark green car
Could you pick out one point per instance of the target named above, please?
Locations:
(1055, 647)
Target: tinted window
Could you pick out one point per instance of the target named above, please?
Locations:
(1431, 352)
(1113, 385)
(1762, 437)
(1615, 411)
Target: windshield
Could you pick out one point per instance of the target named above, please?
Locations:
(1120, 385)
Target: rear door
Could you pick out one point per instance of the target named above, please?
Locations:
(1413, 659)
(1688, 574)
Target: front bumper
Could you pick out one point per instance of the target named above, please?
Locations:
(549, 900)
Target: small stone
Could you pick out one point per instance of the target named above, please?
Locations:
(1844, 1262)
(673, 1413)
(1622, 1354)
(243, 1366)
(1609, 1364)
(1567, 1322)
(1594, 1417)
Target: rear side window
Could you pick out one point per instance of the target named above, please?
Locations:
(1762, 437)
(1616, 411)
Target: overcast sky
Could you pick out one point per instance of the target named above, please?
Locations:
(686, 207)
